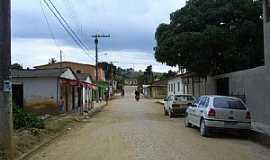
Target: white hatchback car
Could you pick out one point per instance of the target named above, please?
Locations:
(177, 104)
(210, 112)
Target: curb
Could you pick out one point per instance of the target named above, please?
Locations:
(159, 102)
(35, 149)
(38, 147)
(260, 138)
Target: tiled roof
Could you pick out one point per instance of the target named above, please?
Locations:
(32, 73)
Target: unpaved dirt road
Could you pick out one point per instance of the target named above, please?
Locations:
(129, 130)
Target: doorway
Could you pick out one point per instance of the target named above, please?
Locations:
(17, 95)
(223, 86)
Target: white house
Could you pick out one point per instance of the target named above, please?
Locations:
(175, 85)
(41, 90)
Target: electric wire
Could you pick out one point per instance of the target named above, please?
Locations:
(66, 23)
(49, 26)
(67, 29)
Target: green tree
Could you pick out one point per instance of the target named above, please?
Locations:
(52, 60)
(212, 36)
(16, 66)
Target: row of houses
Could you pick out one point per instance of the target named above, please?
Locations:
(41, 90)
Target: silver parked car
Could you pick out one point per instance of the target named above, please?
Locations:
(213, 112)
(177, 104)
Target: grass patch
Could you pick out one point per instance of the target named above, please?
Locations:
(55, 125)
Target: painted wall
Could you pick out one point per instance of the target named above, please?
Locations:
(78, 67)
(175, 86)
(40, 94)
(266, 34)
(255, 85)
(159, 92)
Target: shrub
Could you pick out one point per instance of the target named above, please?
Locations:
(23, 119)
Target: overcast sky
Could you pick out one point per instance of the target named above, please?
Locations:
(131, 24)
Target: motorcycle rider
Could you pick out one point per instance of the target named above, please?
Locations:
(137, 95)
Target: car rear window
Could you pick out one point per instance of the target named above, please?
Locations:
(184, 98)
(229, 103)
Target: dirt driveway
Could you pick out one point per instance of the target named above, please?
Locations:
(129, 130)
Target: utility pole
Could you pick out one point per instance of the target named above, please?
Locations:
(6, 123)
(96, 44)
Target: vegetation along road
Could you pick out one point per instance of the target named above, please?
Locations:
(129, 130)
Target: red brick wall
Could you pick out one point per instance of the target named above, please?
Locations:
(83, 68)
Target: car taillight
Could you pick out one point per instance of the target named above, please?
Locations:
(211, 112)
(248, 115)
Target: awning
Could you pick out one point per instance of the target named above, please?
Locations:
(69, 82)
(77, 83)
(87, 85)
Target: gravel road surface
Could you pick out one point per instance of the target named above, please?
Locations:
(130, 130)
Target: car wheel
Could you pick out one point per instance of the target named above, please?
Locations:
(204, 130)
(171, 115)
(186, 121)
(165, 112)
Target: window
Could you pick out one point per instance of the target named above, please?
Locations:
(178, 86)
(184, 98)
(197, 100)
(206, 102)
(228, 103)
(78, 71)
(202, 102)
(174, 87)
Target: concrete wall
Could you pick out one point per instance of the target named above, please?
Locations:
(255, 85)
(266, 35)
(39, 94)
(159, 92)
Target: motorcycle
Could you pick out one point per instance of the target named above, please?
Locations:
(137, 97)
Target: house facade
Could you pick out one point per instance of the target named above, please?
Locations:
(79, 68)
(40, 91)
(157, 90)
(131, 82)
(190, 83)
(87, 91)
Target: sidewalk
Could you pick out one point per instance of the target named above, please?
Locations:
(160, 101)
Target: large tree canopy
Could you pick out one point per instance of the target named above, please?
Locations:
(213, 36)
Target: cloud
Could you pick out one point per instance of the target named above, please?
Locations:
(131, 23)
(33, 52)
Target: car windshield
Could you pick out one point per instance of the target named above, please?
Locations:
(228, 103)
(184, 98)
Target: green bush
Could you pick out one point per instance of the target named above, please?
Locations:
(23, 119)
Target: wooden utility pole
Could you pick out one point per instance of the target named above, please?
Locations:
(6, 123)
(96, 45)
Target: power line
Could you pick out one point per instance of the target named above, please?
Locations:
(66, 27)
(66, 23)
(49, 26)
